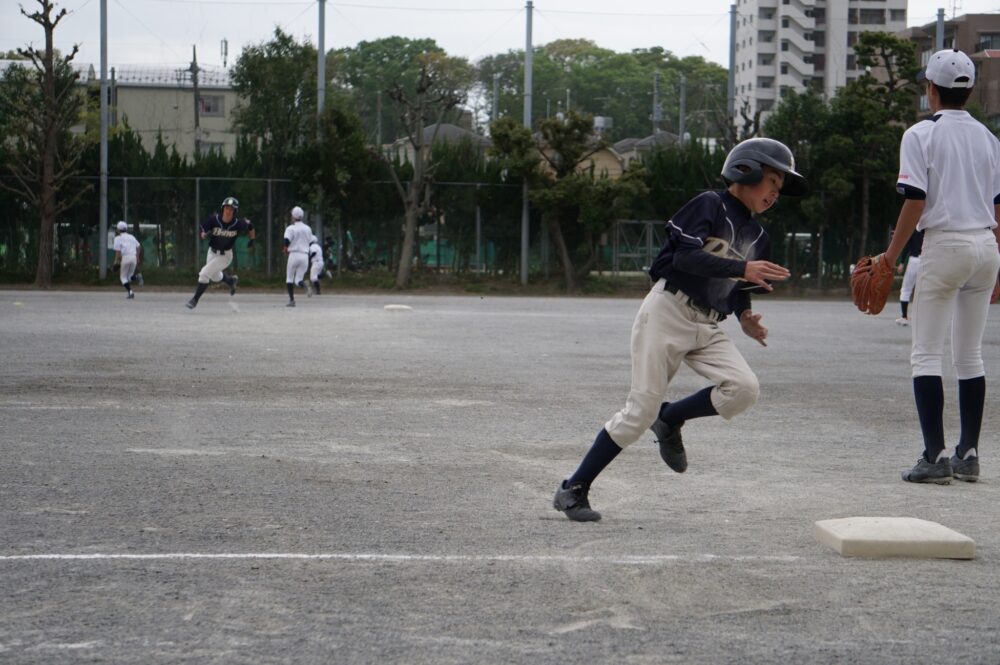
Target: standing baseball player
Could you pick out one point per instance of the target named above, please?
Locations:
(949, 173)
(298, 237)
(316, 264)
(715, 254)
(911, 255)
(127, 253)
(221, 229)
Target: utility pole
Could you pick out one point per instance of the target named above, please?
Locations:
(567, 100)
(197, 101)
(731, 98)
(496, 97)
(683, 110)
(320, 105)
(103, 262)
(939, 33)
(525, 212)
(657, 111)
(378, 119)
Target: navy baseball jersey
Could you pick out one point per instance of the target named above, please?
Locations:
(709, 242)
(222, 236)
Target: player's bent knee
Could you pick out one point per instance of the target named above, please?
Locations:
(734, 396)
(629, 424)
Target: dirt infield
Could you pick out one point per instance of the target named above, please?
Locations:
(339, 483)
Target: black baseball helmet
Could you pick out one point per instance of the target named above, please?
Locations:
(757, 153)
(232, 202)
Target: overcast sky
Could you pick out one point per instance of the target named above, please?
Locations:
(163, 31)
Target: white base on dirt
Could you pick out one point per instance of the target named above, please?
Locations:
(893, 537)
(397, 308)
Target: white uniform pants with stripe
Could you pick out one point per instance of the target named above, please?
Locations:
(910, 279)
(315, 271)
(298, 263)
(667, 332)
(127, 269)
(214, 265)
(957, 274)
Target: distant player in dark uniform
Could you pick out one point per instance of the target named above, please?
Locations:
(221, 229)
(716, 253)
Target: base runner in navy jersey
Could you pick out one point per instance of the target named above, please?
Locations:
(949, 174)
(715, 255)
(221, 229)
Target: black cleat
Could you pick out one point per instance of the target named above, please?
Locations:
(191, 304)
(965, 469)
(232, 285)
(291, 303)
(573, 501)
(671, 445)
(130, 296)
(938, 473)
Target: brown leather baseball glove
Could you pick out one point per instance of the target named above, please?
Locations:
(871, 282)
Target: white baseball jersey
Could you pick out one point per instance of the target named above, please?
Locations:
(299, 236)
(316, 253)
(126, 244)
(953, 161)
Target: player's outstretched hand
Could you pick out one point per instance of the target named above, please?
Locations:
(752, 327)
(759, 272)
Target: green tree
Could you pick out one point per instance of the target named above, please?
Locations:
(40, 105)
(369, 70)
(577, 204)
(441, 85)
(276, 82)
(870, 114)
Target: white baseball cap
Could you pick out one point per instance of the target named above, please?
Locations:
(122, 226)
(297, 213)
(949, 68)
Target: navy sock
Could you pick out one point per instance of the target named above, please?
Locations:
(200, 290)
(698, 405)
(227, 280)
(127, 287)
(971, 397)
(904, 304)
(928, 392)
(599, 456)
(291, 291)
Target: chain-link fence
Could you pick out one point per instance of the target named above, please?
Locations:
(470, 228)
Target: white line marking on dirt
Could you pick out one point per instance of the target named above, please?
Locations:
(631, 560)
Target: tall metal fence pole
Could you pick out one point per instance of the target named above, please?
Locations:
(125, 199)
(479, 233)
(269, 217)
(197, 211)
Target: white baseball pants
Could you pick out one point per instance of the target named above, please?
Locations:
(214, 265)
(957, 273)
(667, 332)
(298, 263)
(127, 269)
(910, 279)
(315, 270)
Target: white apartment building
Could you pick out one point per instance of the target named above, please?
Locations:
(786, 45)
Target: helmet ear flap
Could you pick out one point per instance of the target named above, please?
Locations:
(750, 174)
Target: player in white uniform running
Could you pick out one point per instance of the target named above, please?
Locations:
(127, 252)
(297, 239)
(316, 264)
(949, 172)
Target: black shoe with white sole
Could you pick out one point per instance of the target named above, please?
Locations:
(938, 473)
(572, 500)
(671, 445)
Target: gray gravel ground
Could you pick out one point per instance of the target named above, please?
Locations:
(414, 455)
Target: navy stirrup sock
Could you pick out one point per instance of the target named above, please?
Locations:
(200, 290)
(599, 456)
(903, 304)
(291, 291)
(971, 397)
(698, 405)
(928, 392)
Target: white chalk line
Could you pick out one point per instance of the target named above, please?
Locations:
(632, 560)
